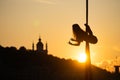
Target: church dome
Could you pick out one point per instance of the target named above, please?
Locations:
(39, 45)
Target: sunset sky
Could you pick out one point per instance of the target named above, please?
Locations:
(22, 21)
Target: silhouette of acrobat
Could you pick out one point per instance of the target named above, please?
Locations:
(81, 35)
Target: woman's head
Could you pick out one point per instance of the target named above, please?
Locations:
(76, 27)
(76, 31)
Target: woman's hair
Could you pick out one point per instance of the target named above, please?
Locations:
(77, 31)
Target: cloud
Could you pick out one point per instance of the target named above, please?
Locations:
(109, 64)
(46, 1)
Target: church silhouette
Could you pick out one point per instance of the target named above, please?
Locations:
(40, 47)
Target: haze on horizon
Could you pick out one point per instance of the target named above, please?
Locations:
(22, 21)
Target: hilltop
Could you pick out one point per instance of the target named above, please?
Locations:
(23, 64)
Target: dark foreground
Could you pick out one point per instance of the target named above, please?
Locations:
(25, 64)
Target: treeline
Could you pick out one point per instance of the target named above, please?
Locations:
(23, 64)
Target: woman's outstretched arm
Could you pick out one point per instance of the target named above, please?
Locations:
(88, 30)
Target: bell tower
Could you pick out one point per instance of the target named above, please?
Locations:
(46, 48)
(33, 46)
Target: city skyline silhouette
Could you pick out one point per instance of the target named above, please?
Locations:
(28, 64)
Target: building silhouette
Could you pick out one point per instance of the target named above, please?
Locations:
(40, 47)
(116, 69)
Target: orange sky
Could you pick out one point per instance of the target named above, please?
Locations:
(22, 21)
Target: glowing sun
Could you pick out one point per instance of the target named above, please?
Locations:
(82, 57)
